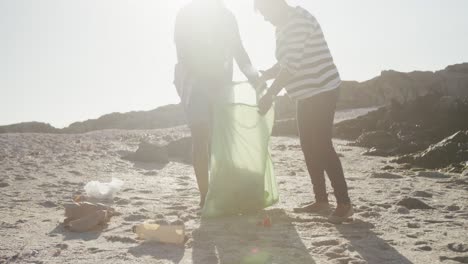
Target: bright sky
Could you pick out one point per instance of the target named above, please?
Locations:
(70, 60)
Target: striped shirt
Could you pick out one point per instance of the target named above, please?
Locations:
(302, 50)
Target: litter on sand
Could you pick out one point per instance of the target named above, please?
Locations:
(86, 216)
(151, 231)
(103, 191)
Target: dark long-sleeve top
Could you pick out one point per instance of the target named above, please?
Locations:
(207, 42)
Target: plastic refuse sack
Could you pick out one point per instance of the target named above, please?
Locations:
(241, 171)
(151, 231)
(104, 191)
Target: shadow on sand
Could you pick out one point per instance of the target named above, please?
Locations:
(68, 235)
(372, 248)
(158, 251)
(241, 240)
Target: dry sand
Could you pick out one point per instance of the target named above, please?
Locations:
(39, 173)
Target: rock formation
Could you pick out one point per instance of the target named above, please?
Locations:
(390, 86)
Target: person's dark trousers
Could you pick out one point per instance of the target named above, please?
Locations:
(315, 123)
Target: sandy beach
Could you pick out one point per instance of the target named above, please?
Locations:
(42, 172)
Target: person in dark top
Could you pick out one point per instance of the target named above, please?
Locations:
(306, 69)
(207, 40)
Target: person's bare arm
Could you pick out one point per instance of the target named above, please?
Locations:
(271, 73)
(243, 59)
(265, 103)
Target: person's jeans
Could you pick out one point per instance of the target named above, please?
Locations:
(315, 123)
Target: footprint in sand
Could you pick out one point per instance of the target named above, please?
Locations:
(177, 207)
(461, 259)
(121, 239)
(121, 201)
(76, 173)
(424, 248)
(185, 178)
(48, 204)
(94, 250)
(458, 247)
(184, 183)
(135, 218)
(326, 242)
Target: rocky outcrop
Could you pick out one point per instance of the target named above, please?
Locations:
(452, 151)
(150, 153)
(162, 117)
(29, 127)
(408, 127)
(430, 132)
(179, 150)
(390, 86)
(393, 86)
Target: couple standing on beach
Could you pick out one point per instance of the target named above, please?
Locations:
(208, 40)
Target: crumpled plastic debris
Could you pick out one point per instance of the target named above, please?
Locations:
(103, 191)
(86, 216)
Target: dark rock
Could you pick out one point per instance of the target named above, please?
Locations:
(388, 167)
(458, 247)
(4, 184)
(453, 149)
(148, 152)
(411, 127)
(376, 152)
(181, 149)
(413, 203)
(421, 194)
(377, 139)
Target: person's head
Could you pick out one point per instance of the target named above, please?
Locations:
(274, 11)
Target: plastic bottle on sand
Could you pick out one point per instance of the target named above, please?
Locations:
(151, 231)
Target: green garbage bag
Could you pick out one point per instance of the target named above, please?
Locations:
(241, 171)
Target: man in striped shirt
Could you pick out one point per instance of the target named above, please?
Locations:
(306, 70)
